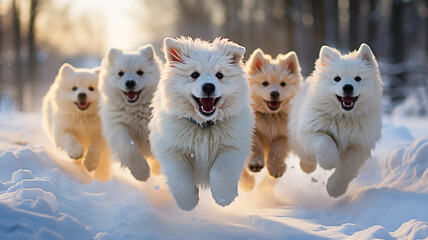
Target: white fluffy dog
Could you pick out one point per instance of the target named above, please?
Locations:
(70, 115)
(127, 84)
(273, 83)
(336, 117)
(202, 119)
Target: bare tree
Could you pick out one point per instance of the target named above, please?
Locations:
(32, 50)
(18, 66)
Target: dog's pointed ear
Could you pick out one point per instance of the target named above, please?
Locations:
(147, 51)
(66, 69)
(366, 54)
(97, 71)
(113, 53)
(290, 61)
(173, 50)
(327, 55)
(236, 52)
(256, 60)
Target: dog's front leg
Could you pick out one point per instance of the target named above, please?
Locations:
(128, 152)
(69, 143)
(276, 159)
(225, 174)
(179, 179)
(347, 169)
(256, 161)
(324, 149)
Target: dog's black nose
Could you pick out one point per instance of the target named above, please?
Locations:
(130, 83)
(274, 95)
(208, 88)
(81, 96)
(348, 89)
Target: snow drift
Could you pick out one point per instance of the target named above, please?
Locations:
(45, 196)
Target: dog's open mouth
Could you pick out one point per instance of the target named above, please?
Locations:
(132, 96)
(273, 105)
(348, 102)
(207, 105)
(82, 105)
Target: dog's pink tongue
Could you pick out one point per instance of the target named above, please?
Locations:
(131, 95)
(207, 104)
(83, 104)
(348, 100)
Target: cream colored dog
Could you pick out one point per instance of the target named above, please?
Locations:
(335, 118)
(202, 119)
(70, 116)
(127, 83)
(273, 82)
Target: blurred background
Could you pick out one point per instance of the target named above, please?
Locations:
(38, 36)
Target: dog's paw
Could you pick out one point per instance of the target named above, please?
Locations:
(334, 188)
(90, 164)
(276, 169)
(308, 167)
(255, 167)
(76, 152)
(328, 158)
(225, 196)
(187, 201)
(140, 170)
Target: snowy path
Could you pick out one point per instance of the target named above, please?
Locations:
(45, 196)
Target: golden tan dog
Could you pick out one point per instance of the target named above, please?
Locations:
(273, 82)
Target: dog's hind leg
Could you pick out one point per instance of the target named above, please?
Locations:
(346, 171)
(276, 158)
(248, 181)
(154, 165)
(225, 174)
(256, 161)
(93, 155)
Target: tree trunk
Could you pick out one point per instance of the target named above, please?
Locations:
(331, 9)
(32, 51)
(289, 24)
(397, 49)
(18, 66)
(354, 14)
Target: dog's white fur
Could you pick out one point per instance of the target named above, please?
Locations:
(75, 131)
(125, 125)
(270, 140)
(192, 157)
(321, 131)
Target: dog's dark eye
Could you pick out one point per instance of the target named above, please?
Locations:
(337, 79)
(283, 84)
(265, 83)
(121, 73)
(357, 78)
(219, 75)
(139, 72)
(91, 89)
(195, 75)
(74, 89)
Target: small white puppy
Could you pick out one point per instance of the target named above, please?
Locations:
(335, 118)
(127, 83)
(70, 117)
(202, 119)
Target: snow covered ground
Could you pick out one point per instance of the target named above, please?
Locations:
(43, 195)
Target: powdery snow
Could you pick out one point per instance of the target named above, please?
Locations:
(43, 195)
